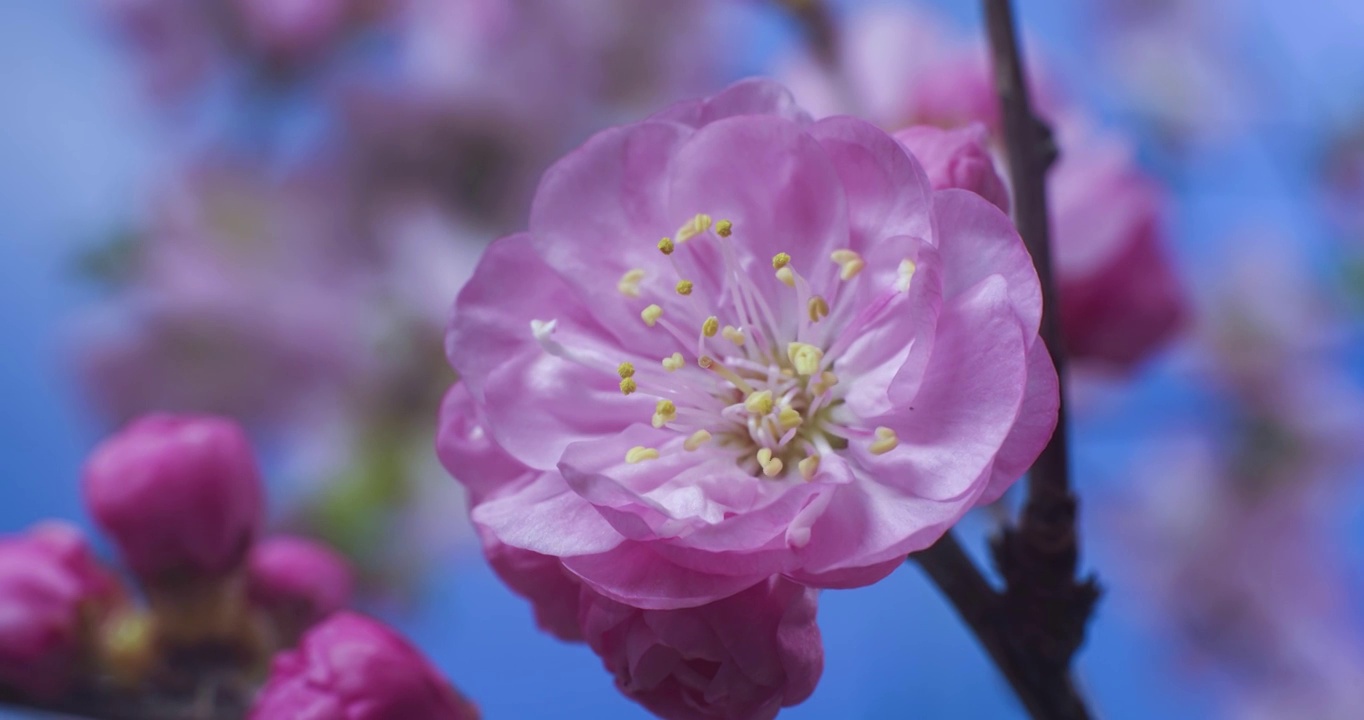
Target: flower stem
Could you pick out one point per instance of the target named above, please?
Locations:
(1033, 627)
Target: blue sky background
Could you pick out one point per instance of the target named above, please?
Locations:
(76, 152)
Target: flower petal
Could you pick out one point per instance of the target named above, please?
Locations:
(634, 574)
(976, 241)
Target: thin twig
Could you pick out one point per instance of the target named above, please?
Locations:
(817, 23)
(111, 704)
(1032, 628)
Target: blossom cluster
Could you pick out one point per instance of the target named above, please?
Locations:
(738, 356)
(182, 500)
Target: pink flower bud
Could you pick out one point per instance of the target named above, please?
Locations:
(957, 159)
(51, 592)
(746, 656)
(297, 582)
(180, 495)
(350, 667)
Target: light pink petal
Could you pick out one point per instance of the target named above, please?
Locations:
(548, 518)
(966, 405)
(774, 182)
(958, 158)
(634, 574)
(1035, 424)
(755, 96)
(887, 191)
(468, 453)
(535, 404)
(976, 241)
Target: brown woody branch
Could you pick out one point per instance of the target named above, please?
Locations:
(1034, 626)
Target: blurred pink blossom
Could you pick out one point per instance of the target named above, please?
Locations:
(878, 375)
(53, 594)
(180, 496)
(350, 667)
(297, 581)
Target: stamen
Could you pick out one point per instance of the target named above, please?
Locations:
(906, 272)
(724, 228)
(626, 370)
(665, 246)
(818, 308)
(789, 418)
(639, 454)
(684, 287)
(885, 441)
(733, 334)
(780, 260)
(804, 357)
(710, 326)
(850, 263)
(808, 467)
(719, 368)
(786, 276)
(759, 403)
(628, 385)
(697, 225)
(771, 466)
(697, 439)
(664, 412)
(651, 314)
(629, 282)
(826, 380)
(673, 362)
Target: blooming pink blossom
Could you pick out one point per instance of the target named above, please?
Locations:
(820, 367)
(1120, 297)
(350, 667)
(179, 495)
(297, 581)
(52, 591)
(746, 656)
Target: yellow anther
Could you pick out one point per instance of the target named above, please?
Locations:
(628, 385)
(789, 418)
(850, 263)
(826, 380)
(818, 308)
(673, 362)
(629, 282)
(787, 277)
(906, 273)
(710, 326)
(718, 368)
(626, 370)
(759, 403)
(651, 314)
(697, 225)
(697, 439)
(733, 334)
(664, 412)
(771, 466)
(665, 246)
(805, 358)
(684, 287)
(724, 228)
(808, 467)
(885, 441)
(639, 454)
(780, 260)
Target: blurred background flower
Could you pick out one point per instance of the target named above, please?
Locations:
(263, 209)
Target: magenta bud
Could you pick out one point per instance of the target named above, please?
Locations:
(52, 594)
(957, 158)
(180, 496)
(350, 667)
(297, 582)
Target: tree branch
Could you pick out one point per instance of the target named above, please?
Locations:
(1033, 627)
(102, 703)
(817, 23)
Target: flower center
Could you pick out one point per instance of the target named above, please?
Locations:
(750, 377)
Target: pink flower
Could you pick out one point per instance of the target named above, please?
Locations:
(350, 667)
(1120, 297)
(821, 367)
(746, 656)
(298, 581)
(292, 28)
(957, 159)
(51, 591)
(179, 495)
